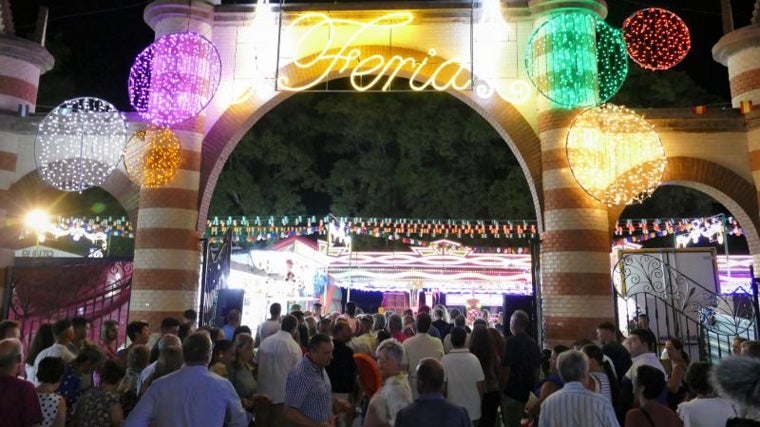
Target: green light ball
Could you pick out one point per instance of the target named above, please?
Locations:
(576, 60)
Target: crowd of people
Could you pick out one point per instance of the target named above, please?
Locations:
(303, 368)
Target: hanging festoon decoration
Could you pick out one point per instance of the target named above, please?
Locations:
(656, 39)
(79, 144)
(615, 155)
(576, 60)
(152, 156)
(174, 78)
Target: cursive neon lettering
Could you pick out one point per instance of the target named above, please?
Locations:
(449, 74)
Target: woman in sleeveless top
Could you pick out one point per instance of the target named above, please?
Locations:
(49, 375)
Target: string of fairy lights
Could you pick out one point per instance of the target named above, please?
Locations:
(247, 231)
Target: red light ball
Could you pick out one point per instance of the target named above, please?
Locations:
(656, 39)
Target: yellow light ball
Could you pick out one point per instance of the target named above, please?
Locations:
(152, 156)
(615, 155)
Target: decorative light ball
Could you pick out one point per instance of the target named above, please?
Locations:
(615, 155)
(174, 78)
(79, 144)
(576, 60)
(152, 156)
(656, 39)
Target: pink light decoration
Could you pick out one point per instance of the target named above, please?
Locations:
(174, 78)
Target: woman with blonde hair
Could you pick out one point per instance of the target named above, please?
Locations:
(240, 372)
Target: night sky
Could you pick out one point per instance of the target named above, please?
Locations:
(105, 35)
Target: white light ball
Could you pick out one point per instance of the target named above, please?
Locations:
(79, 144)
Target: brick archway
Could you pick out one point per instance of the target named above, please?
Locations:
(237, 120)
(731, 190)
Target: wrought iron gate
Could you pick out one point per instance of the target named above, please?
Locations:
(680, 307)
(43, 291)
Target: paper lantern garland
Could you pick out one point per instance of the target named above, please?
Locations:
(79, 144)
(615, 155)
(576, 60)
(656, 39)
(152, 156)
(174, 78)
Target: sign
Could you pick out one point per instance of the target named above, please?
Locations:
(341, 56)
(44, 252)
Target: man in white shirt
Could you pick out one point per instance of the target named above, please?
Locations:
(63, 332)
(706, 409)
(276, 356)
(419, 347)
(271, 325)
(639, 344)
(573, 405)
(465, 381)
(459, 322)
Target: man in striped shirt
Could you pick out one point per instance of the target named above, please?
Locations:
(574, 405)
(308, 400)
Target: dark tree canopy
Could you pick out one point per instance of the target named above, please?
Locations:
(404, 154)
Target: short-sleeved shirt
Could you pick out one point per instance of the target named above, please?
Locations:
(55, 350)
(19, 405)
(463, 371)
(523, 358)
(392, 397)
(575, 406)
(308, 389)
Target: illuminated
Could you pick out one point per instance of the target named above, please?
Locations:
(576, 60)
(153, 156)
(342, 58)
(615, 155)
(656, 39)
(79, 144)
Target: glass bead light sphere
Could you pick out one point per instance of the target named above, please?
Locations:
(174, 78)
(615, 155)
(152, 156)
(656, 39)
(576, 59)
(79, 144)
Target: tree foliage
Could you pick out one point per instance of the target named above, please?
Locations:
(408, 154)
(373, 154)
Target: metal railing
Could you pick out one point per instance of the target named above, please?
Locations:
(96, 290)
(679, 307)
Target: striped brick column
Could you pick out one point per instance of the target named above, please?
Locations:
(739, 50)
(21, 64)
(167, 245)
(575, 242)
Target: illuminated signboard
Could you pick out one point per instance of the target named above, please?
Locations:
(366, 71)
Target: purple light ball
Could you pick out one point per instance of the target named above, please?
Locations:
(174, 78)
